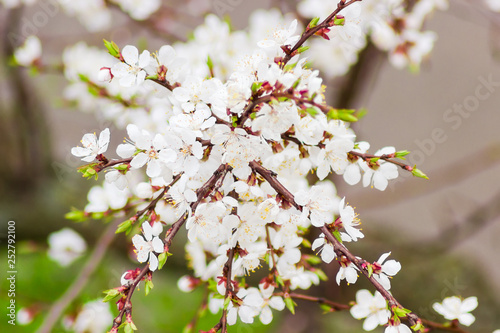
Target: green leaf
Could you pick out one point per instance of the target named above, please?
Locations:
(401, 154)
(348, 117)
(289, 67)
(88, 171)
(210, 63)
(124, 227)
(418, 173)
(113, 49)
(290, 304)
(227, 300)
(93, 90)
(212, 286)
(342, 114)
(110, 294)
(418, 327)
(400, 312)
(312, 111)
(128, 328)
(148, 286)
(303, 49)
(256, 86)
(76, 215)
(122, 167)
(83, 78)
(336, 234)
(314, 22)
(369, 268)
(306, 243)
(279, 281)
(162, 259)
(97, 216)
(152, 77)
(338, 21)
(326, 308)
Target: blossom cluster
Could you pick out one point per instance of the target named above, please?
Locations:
(224, 134)
(220, 155)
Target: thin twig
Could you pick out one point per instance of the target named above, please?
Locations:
(310, 32)
(127, 307)
(385, 157)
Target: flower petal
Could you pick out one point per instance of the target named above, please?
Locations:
(139, 160)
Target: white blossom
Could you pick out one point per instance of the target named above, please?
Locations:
(65, 246)
(107, 196)
(327, 251)
(252, 301)
(371, 307)
(349, 222)
(92, 146)
(379, 176)
(401, 328)
(146, 246)
(139, 9)
(94, 317)
(317, 204)
(29, 52)
(347, 271)
(456, 308)
(386, 270)
(270, 302)
(281, 37)
(153, 151)
(131, 71)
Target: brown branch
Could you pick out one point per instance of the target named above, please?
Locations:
(226, 272)
(340, 249)
(251, 106)
(270, 177)
(290, 94)
(127, 307)
(385, 157)
(310, 32)
(228, 266)
(110, 163)
(154, 202)
(452, 328)
(274, 270)
(167, 85)
(76, 287)
(201, 193)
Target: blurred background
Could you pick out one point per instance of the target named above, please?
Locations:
(444, 231)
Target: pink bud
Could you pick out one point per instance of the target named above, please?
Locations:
(105, 74)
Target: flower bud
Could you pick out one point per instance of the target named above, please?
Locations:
(105, 74)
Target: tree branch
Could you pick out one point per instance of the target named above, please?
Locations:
(310, 32)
